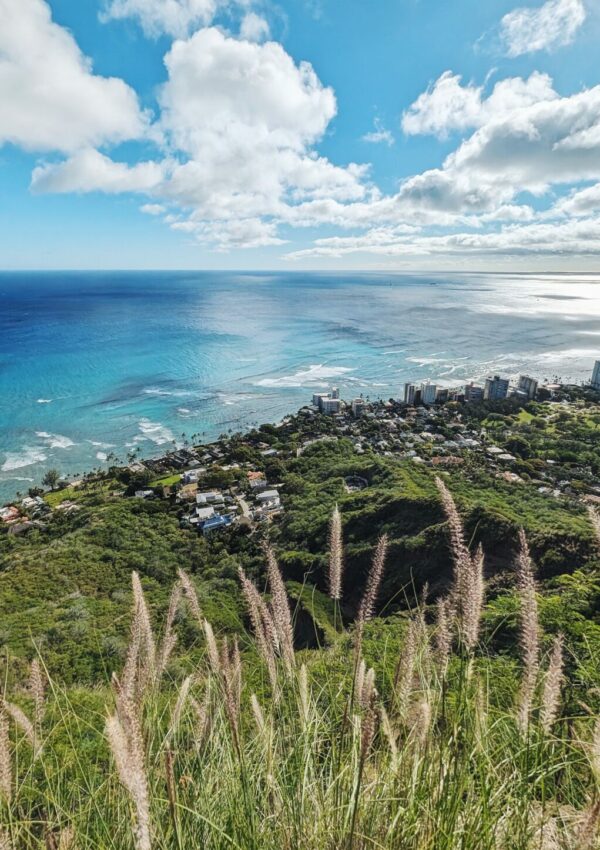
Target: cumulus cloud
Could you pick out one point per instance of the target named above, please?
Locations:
(579, 202)
(91, 171)
(171, 17)
(50, 99)
(521, 144)
(237, 136)
(254, 27)
(246, 117)
(547, 27)
(449, 106)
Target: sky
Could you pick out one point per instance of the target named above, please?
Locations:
(300, 134)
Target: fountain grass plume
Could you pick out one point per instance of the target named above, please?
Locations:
(552, 685)
(212, 649)
(124, 733)
(280, 609)
(335, 555)
(468, 590)
(369, 600)
(529, 632)
(405, 670)
(169, 638)
(37, 689)
(191, 597)
(262, 625)
(443, 634)
(179, 706)
(461, 557)
(147, 672)
(5, 757)
(23, 723)
(474, 599)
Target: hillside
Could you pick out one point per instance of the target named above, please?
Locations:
(63, 580)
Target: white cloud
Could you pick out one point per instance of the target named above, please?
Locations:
(153, 209)
(50, 99)
(238, 125)
(254, 27)
(221, 90)
(379, 135)
(91, 171)
(520, 145)
(246, 117)
(579, 202)
(552, 25)
(237, 139)
(228, 235)
(573, 238)
(173, 17)
(448, 105)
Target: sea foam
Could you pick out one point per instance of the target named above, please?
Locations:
(155, 432)
(55, 441)
(26, 457)
(316, 375)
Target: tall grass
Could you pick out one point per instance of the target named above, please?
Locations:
(270, 749)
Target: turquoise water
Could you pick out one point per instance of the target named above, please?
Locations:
(94, 363)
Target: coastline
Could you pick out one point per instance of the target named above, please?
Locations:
(204, 352)
(440, 436)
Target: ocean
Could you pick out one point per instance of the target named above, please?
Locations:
(100, 364)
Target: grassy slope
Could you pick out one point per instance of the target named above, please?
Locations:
(66, 589)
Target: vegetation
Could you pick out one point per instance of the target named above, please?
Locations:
(51, 479)
(410, 731)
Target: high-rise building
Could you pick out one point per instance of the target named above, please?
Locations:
(318, 398)
(473, 393)
(428, 393)
(330, 405)
(335, 393)
(358, 407)
(442, 395)
(409, 393)
(495, 388)
(596, 375)
(528, 386)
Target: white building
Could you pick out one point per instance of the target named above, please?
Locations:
(202, 514)
(269, 499)
(331, 405)
(209, 498)
(428, 393)
(358, 407)
(528, 386)
(318, 398)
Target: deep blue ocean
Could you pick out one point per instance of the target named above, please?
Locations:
(94, 363)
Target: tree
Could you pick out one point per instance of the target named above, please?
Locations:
(51, 478)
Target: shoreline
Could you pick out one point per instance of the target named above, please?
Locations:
(167, 468)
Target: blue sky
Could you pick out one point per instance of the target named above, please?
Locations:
(300, 134)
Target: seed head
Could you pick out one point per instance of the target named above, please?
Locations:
(335, 555)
